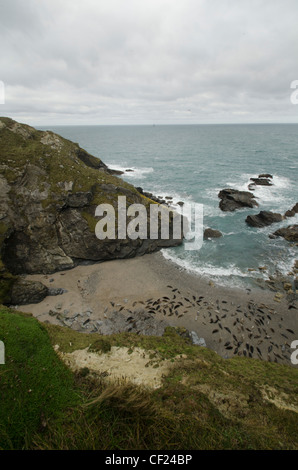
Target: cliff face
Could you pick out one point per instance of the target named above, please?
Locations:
(49, 190)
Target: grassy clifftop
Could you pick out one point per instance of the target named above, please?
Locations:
(203, 401)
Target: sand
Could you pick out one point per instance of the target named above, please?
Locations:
(232, 321)
(120, 364)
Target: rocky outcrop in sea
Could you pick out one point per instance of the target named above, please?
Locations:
(232, 199)
(263, 219)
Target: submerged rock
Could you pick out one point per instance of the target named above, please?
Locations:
(232, 199)
(263, 219)
(292, 212)
(211, 233)
(116, 172)
(266, 175)
(261, 181)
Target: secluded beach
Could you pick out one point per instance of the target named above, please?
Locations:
(231, 321)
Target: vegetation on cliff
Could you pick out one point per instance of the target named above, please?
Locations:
(204, 401)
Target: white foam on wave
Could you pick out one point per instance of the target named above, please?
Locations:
(205, 269)
(175, 197)
(137, 173)
(285, 266)
(240, 183)
(277, 194)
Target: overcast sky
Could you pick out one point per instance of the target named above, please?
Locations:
(148, 61)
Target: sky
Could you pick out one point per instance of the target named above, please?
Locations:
(107, 62)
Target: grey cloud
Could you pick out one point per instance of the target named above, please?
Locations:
(137, 61)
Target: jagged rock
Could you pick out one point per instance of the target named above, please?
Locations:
(266, 175)
(49, 191)
(292, 212)
(289, 233)
(211, 233)
(116, 172)
(261, 181)
(27, 292)
(263, 219)
(139, 322)
(288, 286)
(79, 199)
(232, 199)
(196, 340)
(278, 297)
(56, 291)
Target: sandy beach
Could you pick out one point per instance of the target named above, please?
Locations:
(231, 321)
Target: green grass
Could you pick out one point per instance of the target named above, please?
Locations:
(205, 402)
(35, 386)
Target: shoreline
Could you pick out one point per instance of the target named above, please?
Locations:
(232, 321)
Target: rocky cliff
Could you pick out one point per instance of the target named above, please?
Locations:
(49, 190)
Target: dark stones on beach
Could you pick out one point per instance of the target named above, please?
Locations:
(139, 322)
(232, 199)
(211, 233)
(230, 329)
(53, 291)
(263, 219)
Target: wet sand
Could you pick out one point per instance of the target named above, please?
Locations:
(232, 321)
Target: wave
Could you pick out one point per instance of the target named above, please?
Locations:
(208, 270)
(132, 171)
(278, 195)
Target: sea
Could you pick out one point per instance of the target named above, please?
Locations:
(192, 163)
